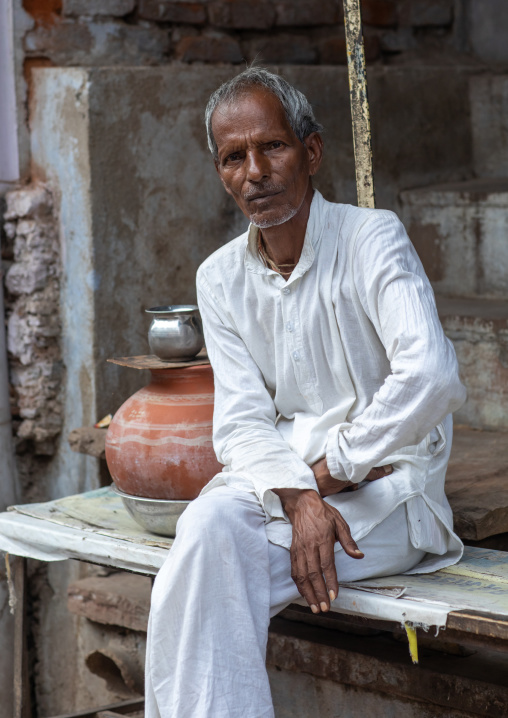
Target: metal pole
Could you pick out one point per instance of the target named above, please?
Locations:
(359, 104)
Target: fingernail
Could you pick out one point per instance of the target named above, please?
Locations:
(314, 608)
(357, 550)
(332, 595)
(323, 605)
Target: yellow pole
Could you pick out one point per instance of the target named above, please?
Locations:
(359, 104)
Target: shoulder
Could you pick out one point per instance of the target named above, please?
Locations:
(224, 261)
(351, 222)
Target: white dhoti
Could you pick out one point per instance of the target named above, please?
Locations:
(213, 599)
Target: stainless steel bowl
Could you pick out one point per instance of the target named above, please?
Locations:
(176, 332)
(159, 516)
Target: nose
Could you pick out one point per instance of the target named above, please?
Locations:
(257, 166)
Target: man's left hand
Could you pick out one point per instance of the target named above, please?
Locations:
(327, 485)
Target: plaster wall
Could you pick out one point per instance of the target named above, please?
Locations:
(489, 120)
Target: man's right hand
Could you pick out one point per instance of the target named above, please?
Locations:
(317, 526)
(327, 485)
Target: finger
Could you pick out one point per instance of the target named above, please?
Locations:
(299, 574)
(315, 574)
(327, 558)
(345, 539)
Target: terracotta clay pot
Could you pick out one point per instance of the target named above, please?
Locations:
(159, 444)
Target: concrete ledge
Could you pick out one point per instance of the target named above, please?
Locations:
(478, 329)
(459, 231)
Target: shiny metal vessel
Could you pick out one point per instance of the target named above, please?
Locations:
(176, 332)
(159, 516)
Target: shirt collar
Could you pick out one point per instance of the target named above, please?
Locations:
(254, 263)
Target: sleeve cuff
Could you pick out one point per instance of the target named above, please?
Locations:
(272, 504)
(335, 467)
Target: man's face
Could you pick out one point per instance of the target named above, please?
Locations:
(262, 164)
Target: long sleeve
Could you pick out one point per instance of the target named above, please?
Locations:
(423, 385)
(245, 437)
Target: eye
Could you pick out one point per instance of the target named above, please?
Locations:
(276, 145)
(233, 157)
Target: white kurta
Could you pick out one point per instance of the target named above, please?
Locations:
(348, 360)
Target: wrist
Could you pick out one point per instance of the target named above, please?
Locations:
(292, 499)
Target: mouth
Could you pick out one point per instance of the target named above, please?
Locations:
(262, 195)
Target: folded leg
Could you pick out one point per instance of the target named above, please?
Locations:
(213, 598)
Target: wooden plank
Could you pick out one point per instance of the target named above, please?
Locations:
(22, 703)
(478, 624)
(463, 627)
(88, 440)
(476, 483)
(150, 361)
(359, 103)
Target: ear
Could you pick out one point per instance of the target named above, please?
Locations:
(217, 168)
(314, 145)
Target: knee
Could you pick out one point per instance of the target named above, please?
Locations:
(211, 513)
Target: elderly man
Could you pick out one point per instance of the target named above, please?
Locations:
(334, 385)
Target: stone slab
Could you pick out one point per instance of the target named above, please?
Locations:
(122, 599)
(88, 440)
(459, 230)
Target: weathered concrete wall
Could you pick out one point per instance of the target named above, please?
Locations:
(460, 232)
(489, 120)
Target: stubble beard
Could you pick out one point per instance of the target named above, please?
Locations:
(284, 214)
(278, 215)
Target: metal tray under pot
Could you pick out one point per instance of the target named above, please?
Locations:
(159, 516)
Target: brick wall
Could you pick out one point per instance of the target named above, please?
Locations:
(148, 32)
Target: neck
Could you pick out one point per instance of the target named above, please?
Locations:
(284, 243)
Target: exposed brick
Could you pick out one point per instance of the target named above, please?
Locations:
(332, 50)
(193, 13)
(44, 12)
(307, 12)
(99, 43)
(283, 48)
(208, 49)
(382, 13)
(421, 13)
(242, 14)
(116, 8)
(60, 42)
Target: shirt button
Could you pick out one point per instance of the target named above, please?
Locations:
(289, 327)
(296, 356)
(286, 290)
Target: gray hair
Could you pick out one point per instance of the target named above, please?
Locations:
(296, 106)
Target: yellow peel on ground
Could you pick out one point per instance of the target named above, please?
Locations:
(413, 642)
